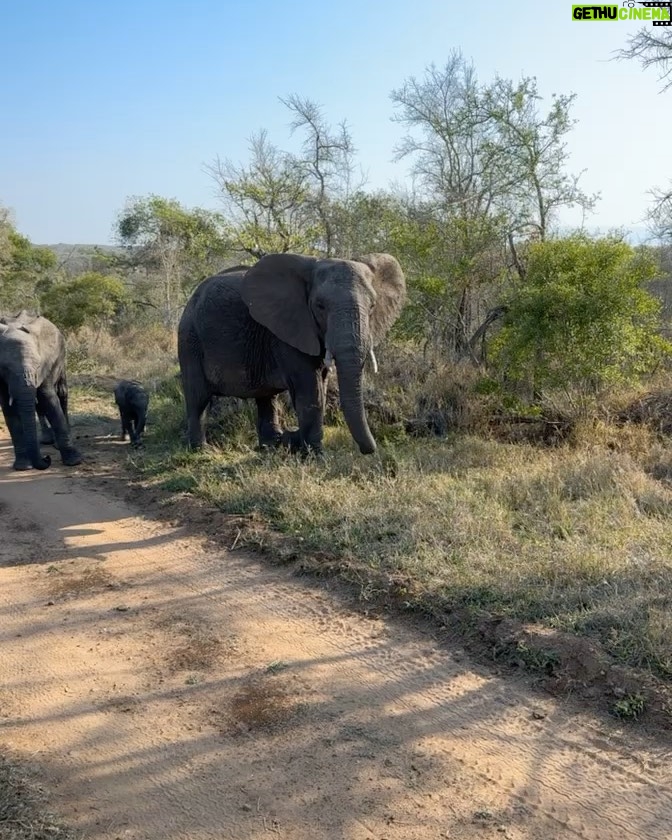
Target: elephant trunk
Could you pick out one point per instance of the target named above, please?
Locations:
(349, 366)
(24, 404)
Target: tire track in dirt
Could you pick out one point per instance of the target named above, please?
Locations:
(176, 691)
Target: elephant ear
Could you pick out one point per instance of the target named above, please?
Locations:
(276, 293)
(390, 287)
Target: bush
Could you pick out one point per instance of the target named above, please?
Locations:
(92, 299)
(581, 318)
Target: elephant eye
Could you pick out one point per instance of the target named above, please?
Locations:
(320, 306)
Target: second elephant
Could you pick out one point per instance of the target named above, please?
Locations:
(32, 375)
(254, 333)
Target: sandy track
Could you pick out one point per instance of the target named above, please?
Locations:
(169, 690)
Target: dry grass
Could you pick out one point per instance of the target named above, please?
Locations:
(147, 354)
(24, 813)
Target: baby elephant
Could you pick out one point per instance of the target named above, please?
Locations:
(132, 400)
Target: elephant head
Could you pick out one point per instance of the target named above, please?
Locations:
(333, 309)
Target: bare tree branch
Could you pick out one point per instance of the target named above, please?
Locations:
(652, 47)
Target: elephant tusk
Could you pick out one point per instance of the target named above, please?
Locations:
(374, 362)
(11, 400)
(328, 360)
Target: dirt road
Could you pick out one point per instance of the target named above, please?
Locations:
(169, 690)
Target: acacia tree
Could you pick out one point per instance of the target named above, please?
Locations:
(327, 161)
(175, 247)
(266, 201)
(490, 167)
(531, 149)
(284, 201)
(660, 216)
(652, 47)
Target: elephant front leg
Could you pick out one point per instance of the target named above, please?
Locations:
(268, 425)
(308, 397)
(51, 406)
(21, 458)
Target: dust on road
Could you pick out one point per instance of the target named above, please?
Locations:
(167, 689)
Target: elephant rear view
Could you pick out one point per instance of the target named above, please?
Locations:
(277, 326)
(32, 373)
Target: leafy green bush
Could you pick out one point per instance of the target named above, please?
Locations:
(91, 299)
(581, 317)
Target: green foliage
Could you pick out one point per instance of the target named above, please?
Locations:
(24, 268)
(581, 318)
(629, 707)
(176, 248)
(155, 223)
(267, 202)
(490, 169)
(92, 299)
(484, 149)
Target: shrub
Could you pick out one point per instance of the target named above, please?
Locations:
(581, 318)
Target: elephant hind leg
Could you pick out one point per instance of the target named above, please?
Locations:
(124, 426)
(268, 424)
(135, 428)
(197, 396)
(50, 405)
(47, 433)
(141, 420)
(196, 420)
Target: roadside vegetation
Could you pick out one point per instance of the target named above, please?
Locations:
(24, 809)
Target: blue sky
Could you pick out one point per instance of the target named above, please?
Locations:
(102, 101)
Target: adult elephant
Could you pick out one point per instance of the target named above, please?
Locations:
(256, 332)
(32, 375)
(47, 435)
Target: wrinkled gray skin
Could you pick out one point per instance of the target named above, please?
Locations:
(132, 401)
(32, 376)
(254, 333)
